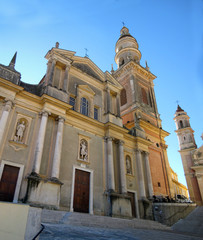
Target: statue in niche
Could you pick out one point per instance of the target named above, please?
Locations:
(20, 129)
(128, 165)
(83, 150)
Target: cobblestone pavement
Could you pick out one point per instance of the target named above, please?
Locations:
(63, 232)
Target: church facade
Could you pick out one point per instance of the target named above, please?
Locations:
(82, 139)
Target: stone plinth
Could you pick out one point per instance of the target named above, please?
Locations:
(119, 205)
(43, 192)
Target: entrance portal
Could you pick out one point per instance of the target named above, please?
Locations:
(81, 191)
(8, 183)
(132, 199)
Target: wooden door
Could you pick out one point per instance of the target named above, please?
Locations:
(132, 199)
(8, 183)
(81, 191)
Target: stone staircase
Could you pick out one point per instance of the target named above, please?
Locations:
(192, 224)
(81, 219)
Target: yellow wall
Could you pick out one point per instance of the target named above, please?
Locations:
(13, 220)
(19, 221)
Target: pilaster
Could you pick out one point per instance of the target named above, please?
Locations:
(110, 165)
(51, 75)
(65, 81)
(40, 142)
(140, 173)
(122, 167)
(58, 149)
(4, 117)
(148, 173)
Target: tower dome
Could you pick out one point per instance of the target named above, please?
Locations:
(126, 48)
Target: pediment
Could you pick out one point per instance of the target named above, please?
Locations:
(86, 68)
(60, 53)
(87, 89)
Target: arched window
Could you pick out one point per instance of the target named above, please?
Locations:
(128, 165)
(84, 106)
(123, 97)
(181, 124)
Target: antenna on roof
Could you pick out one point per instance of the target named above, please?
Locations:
(123, 24)
(86, 50)
(177, 102)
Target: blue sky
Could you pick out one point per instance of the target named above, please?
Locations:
(169, 34)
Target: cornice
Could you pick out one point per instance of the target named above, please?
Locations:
(138, 68)
(186, 150)
(180, 184)
(126, 49)
(184, 129)
(48, 99)
(153, 128)
(11, 86)
(85, 123)
(58, 51)
(139, 140)
(111, 126)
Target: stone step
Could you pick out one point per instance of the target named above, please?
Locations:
(193, 223)
(81, 219)
(196, 213)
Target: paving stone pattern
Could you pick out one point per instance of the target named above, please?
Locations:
(63, 232)
(61, 225)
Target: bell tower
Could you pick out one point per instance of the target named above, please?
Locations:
(184, 131)
(126, 48)
(187, 145)
(138, 102)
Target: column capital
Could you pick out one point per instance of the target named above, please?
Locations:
(8, 104)
(60, 119)
(164, 146)
(68, 67)
(138, 151)
(121, 142)
(44, 113)
(105, 139)
(146, 153)
(53, 60)
(107, 89)
(108, 138)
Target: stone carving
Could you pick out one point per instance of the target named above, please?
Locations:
(20, 129)
(83, 150)
(128, 165)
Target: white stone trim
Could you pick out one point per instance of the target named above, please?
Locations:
(20, 176)
(136, 202)
(91, 188)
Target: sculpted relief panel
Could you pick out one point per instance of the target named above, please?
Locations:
(19, 138)
(128, 165)
(83, 149)
(20, 130)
